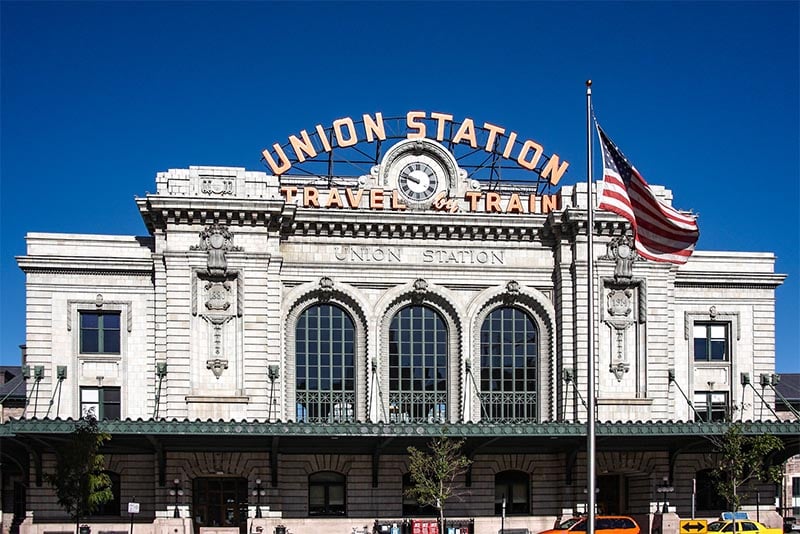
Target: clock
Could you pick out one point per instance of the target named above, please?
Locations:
(419, 177)
(623, 251)
(417, 181)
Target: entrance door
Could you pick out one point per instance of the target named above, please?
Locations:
(220, 502)
(611, 494)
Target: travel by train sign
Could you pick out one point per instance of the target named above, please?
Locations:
(502, 148)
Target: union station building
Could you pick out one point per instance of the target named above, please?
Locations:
(266, 353)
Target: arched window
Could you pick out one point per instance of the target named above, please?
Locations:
(325, 365)
(514, 487)
(708, 498)
(417, 366)
(509, 362)
(327, 494)
(411, 507)
(111, 508)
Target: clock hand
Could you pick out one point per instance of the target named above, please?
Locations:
(412, 178)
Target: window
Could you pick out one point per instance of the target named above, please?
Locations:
(111, 508)
(513, 486)
(103, 403)
(509, 356)
(711, 405)
(99, 333)
(325, 370)
(326, 494)
(708, 498)
(411, 507)
(710, 342)
(417, 366)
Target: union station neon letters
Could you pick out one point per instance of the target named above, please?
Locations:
(344, 133)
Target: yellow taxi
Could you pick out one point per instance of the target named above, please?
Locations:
(742, 525)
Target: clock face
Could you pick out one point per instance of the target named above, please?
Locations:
(623, 251)
(417, 181)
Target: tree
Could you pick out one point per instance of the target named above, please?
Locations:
(434, 473)
(743, 459)
(79, 481)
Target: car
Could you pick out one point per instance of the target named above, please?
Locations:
(742, 525)
(607, 524)
(790, 524)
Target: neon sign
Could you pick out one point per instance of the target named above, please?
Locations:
(345, 132)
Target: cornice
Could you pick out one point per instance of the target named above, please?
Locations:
(415, 225)
(257, 428)
(84, 265)
(160, 211)
(733, 280)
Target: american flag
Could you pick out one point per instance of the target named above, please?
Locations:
(661, 232)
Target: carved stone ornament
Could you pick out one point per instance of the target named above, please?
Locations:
(512, 292)
(326, 288)
(619, 369)
(217, 365)
(420, 289)
(217, 294)
(216, 240)
(623, 251)
(619, 302)
(98, 300)
(216, 186)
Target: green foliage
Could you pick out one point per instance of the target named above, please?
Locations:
(744, 459)
(434, 473)
(80, 484)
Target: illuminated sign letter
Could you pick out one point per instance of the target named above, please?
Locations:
(300, 147)
(514, 204)
(537, 153)
(288, 192)
(493, 132)
(284, 163)
(512, 138)
(554, 170)
(466, 131)
(549, 203)
(376, 199)
(441, 119)
(310, 197)
(334, 199)
(411, 117)
(473, 197)
(354, 200)
(493, 203)
(351, 138)
(374, 126)
(326, 144)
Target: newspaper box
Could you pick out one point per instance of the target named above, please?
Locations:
(424, 526)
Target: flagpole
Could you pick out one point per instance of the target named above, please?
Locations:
(590, 430)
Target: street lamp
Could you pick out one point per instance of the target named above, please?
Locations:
(177, 491)
(663, 489)
(258, 492)
(503, 517)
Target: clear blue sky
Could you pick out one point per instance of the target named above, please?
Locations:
(98, 97)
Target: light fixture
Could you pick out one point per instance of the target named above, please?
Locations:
(177, 492)
(258, 492)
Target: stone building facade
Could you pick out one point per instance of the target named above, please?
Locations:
(267, 353)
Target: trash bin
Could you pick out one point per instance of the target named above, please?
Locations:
(84, 529)
(280, 529)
